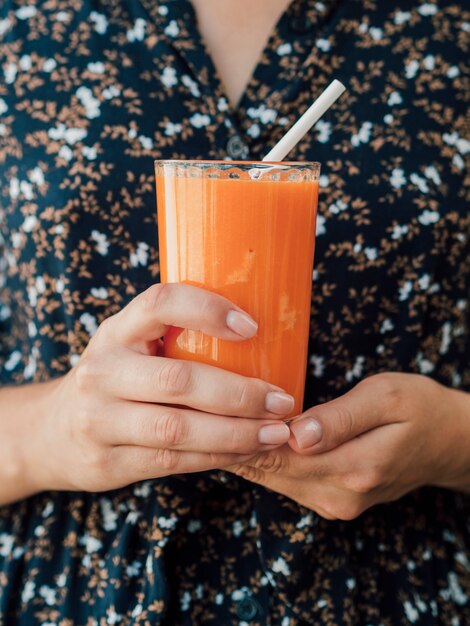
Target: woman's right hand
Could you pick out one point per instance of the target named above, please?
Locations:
(116, 417)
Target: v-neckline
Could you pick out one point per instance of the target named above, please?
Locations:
(267, 47)
(193, 49)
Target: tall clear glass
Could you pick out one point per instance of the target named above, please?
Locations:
(245, 230)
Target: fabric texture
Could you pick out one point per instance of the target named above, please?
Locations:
(91, 91)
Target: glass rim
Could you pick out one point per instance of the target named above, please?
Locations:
(244, 165)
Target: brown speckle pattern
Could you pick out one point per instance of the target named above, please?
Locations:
(90, 93)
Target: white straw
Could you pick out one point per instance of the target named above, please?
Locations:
(305, 123)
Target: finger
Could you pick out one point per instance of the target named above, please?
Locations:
(328, 468)
(141, 424)
(308, 494)
(330, 484)
(329, 425)
(375, 460)
(364, 465)
(288, 466)
(148, 316)
(134, 463)
(197, 385)
(364, 471)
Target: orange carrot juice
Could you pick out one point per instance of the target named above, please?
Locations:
(245, 231)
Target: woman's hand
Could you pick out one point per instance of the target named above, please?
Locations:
(389, 435)
(120, 415)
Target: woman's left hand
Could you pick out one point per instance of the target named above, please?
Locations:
(389, 435)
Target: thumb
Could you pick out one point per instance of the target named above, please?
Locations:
(327, 426)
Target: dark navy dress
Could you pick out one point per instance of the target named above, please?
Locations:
(91, 91)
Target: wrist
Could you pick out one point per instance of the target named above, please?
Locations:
(454, 465)
(21, 408)
(36, 447)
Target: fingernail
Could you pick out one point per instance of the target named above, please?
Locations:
(280, 403)
(273, 434)
(307, 432)
(242, 324)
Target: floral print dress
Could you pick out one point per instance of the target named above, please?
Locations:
(91, 91)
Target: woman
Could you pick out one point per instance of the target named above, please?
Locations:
(360, 518)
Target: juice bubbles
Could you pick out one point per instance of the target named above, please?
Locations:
(245, 231)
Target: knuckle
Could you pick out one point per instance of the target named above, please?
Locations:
(344, 422)
(208, 305)
(236, 440)
(240, 397)
(325, 515)
(98, 461)
(85, 424)
(174, 377)
(350, 511)
(86, 372)
(171, 429)
(95, 369)
(345, 509)
(167, 459)
(218, 460)
(386, 386)
(271, 462)
(249, 472)
(386, 380)
(155, 296)
(365, 482)
(248, 397)
(105, 328)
